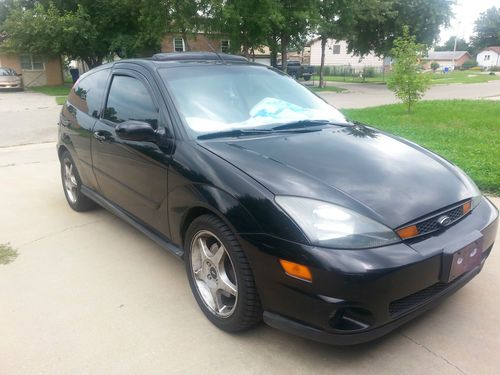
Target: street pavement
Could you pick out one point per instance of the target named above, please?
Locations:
(368, 95)
(89, 294)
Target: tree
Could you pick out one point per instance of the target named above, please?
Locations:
(337, 19)
(449, 45)
(383, 20)
(89, 30)
(487, 29)
(406, 80)
(434, 66)
(293, 21)
(249, 23)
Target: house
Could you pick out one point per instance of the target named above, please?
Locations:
(445, 59)
(336, 54)
(489, 57)
(173, 42)
(36, 70)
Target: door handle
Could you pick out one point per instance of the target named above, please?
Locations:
(99, 136)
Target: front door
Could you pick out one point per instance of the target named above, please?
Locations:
(133, 174)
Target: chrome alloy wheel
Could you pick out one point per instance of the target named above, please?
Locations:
(70, 182)
(214, 274)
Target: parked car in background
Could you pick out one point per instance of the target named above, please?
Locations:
(297, 70)
(10, 80)
(281, 208)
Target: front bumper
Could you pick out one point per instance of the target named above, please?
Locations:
(11, 86)
(359, 295)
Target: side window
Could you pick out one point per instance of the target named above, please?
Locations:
(87, 94)
(179, 44)
(336, 49)
(129, 99)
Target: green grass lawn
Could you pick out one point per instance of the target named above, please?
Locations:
(467, 76)
(60, 92)
(326, 89)
(378, 79)
(466, 132)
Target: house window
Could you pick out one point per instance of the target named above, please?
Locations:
(486, 57)
(179, 45)
(336, 49)
(31, 62)
(224, 45)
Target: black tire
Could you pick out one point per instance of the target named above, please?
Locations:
(78, 201)
(247, 309)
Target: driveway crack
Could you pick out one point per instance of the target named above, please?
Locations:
(433, 353)
(59, 232)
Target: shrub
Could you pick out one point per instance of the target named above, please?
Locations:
(406, 80)
(434, 66)
(369, 72)
(469, 64)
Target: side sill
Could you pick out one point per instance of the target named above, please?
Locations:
(113, 208)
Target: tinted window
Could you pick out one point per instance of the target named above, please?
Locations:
(129, 99)
(87, 94)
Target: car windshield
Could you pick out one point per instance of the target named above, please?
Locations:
(7, 72)
(221, 98)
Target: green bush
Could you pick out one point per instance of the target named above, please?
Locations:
(469, 64)
(434, 66)
(369, 72)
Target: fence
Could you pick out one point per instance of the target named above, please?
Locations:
(348, 73)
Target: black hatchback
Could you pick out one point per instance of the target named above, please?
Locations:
(281, 208)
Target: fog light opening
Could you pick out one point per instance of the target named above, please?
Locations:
(351, 319)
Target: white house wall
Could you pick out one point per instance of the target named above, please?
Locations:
(494, 59)
(343, 58)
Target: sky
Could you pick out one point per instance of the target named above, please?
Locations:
(466, 13)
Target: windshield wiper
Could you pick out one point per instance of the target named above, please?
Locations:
(304, 124)
(235, 133)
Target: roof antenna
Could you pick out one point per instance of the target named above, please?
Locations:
(213, 49)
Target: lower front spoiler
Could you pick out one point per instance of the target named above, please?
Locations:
(311, 333)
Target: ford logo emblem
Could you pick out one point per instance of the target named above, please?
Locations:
(444, 221)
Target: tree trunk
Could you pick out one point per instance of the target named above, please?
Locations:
(93, 62)
(284, 54)
(322, 65)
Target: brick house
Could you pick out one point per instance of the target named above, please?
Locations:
(448, 59)
(36, 70)
(173, 42)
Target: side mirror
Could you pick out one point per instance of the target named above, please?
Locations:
(136, 131)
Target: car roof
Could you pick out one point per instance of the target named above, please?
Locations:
(172, 59)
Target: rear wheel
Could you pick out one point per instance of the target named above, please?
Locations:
(220, 276)
(72, 185)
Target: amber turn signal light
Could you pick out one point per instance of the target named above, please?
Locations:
(296, 270)
(467, 207)
(408, 232)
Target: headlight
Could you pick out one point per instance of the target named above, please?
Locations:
(329, 225)
(472, 187)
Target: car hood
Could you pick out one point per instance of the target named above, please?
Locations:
(389, 179)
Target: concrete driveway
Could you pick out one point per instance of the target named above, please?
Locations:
(27, 117)
(88, 294)
(368, 95)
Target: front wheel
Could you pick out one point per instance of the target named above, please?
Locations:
(220, 276)
(72, 185)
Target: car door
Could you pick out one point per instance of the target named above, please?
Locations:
(133, 174)
(78, 117)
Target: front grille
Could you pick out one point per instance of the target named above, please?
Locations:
(407, 303)
(431, 224)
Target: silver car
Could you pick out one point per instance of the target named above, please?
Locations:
(10, 80)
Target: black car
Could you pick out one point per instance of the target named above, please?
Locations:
(281, 208)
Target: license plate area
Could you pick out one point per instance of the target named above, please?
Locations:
(465, 259)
